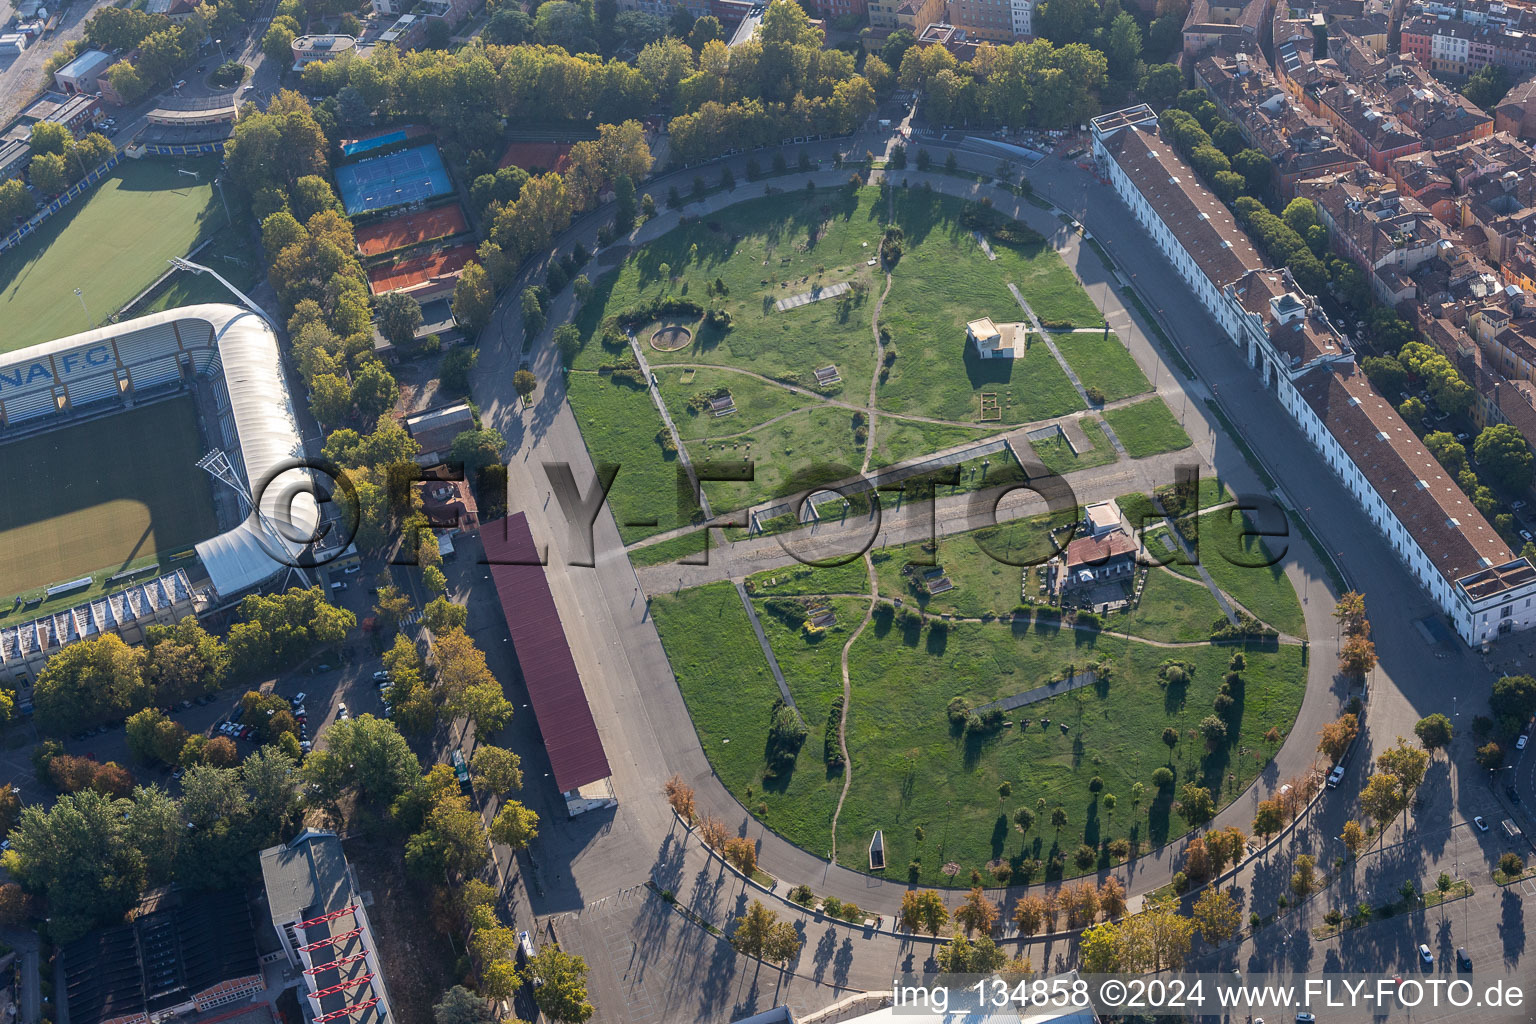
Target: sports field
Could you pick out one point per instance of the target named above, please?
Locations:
(421, 226)
(97, 496)
(111, 246)
(417, 269)
(407, 176)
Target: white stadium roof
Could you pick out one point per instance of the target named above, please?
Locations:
(261, 412)
(269, 438)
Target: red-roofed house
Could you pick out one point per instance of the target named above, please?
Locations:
(1094, 561)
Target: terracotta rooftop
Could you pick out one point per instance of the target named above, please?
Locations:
(1452, 533)
(1098, 550)
(1199, 220)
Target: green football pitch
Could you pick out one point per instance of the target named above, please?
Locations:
(111, 245)
(97, 497)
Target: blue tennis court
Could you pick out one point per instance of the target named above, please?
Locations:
(408, 176)
(377, 142)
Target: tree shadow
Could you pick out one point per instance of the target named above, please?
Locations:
(999, 836)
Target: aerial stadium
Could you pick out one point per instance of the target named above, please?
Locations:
(154, 461)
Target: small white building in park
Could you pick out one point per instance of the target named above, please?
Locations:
(998, 341)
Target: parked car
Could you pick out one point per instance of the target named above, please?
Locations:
(1426, 956)
(1336, 776)
(1520, 743)
(381, 677)
(1463, 960)
(1512, 793)
(297, 700)
(1482, 826)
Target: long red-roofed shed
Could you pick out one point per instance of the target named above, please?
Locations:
(554, 685)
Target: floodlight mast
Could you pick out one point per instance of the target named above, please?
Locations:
(217, 464)
(245, 300)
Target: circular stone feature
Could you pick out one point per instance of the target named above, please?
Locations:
(671, 338)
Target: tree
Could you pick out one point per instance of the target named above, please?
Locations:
(681, 798)
(1407, 763)
(1354, 837)
(184, 660)
(561, 991)
(1336, 736)
(977, 913)
(1269, 819)
(508, 26)
(51, 137)
(376, 758)
(1214, 731)
(1503, 453)
(1170, 739)
(441, 615)
(399, 315)
(753, 929)
(451, 839)
(1512, 701)
(374, 390)
(1357, 656)
(515, 826)
(1029, 913)
(923, 910)
(1490, 755)
(1217, 915)
(496, 769)
(1488, 85)
(1434, 732)
(1350, 613)
(330, 399)
(473, 298)
(1099, 948)
(461, 1006)
(1196, 805)
(524, 383)
(1381, 799)
(87, 682)
(475, 449)
(567, 342)
(1304, 878)
(49, 173)
(77, 854)
(15, 203)
(277, 44)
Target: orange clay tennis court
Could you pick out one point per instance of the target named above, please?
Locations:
(421, 226)
(419, 269)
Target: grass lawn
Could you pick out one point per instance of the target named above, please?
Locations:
(849, 578)
(902, 440)
(1138, 507)
(985, 566)
(1103, 363)
(110, 506)
(689, 544)
(755, 401)
(945, 280)
(1147, 428)
(1248, 569)
(725, 681)
(762, 250)
(912, 771)
(620, 425)
(811, 446)
(1171, 609)
(1059, 457)
(231, 254)
(111, 245)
